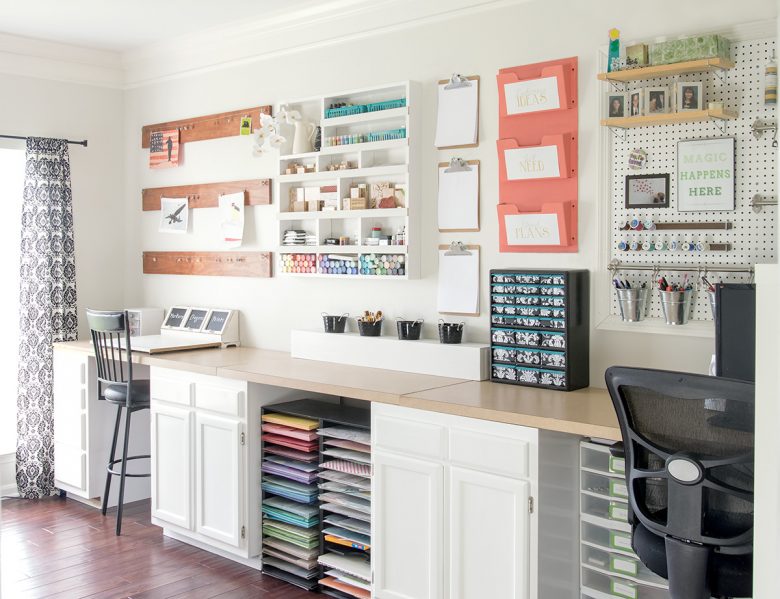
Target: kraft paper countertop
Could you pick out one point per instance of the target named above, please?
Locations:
(586, 412)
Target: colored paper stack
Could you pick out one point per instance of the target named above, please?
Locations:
(345, 501)
(291, 517)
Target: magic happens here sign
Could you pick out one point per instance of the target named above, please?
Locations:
(705, 174)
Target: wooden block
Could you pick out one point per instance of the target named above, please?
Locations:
(212, 126)
(257, 192)
(219, 264)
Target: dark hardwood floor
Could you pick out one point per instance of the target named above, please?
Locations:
(60, 548)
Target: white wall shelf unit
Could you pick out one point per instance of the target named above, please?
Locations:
(392, 161)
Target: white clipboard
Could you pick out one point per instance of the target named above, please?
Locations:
(457, 116)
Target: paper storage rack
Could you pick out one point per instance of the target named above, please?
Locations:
(539, 323)
(316, 494)
(609, 568)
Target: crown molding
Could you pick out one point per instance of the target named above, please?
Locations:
(60, 62)
(326, 24)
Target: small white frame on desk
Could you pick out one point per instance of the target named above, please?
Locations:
(425, 356)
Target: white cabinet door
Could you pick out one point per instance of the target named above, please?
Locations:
(218, 485)
(489, 536)
(408, 518)
(70, 421)
(172, 465)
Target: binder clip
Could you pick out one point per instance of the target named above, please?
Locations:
(457, 165)
(457, 81)
(457, 249)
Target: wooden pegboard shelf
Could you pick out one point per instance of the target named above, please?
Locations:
(667, 70)
(224, 264)
(670, 118)
(212, 126)
(257, 192)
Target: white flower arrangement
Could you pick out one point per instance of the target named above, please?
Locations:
(267, 136)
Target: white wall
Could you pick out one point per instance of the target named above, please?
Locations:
(479, 44)
(65, 110)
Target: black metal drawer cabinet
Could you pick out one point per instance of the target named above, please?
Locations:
(540, 328)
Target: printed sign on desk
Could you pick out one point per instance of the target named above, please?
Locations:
(538, 162)
(532, 229)
(532, 96)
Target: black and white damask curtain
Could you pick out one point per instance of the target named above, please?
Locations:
(47, 307)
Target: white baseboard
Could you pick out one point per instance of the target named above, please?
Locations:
(8, 475)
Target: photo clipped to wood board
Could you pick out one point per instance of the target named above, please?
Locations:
(174, 215)
(164, 149)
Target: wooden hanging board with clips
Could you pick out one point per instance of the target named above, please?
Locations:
(220, 264)
(212, 126)
(257, 192)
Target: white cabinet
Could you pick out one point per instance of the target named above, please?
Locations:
(408, 495)
(200, 460)
(83, 428)
(489, 536)
(171, 456)
(219, 487)
(454, 515)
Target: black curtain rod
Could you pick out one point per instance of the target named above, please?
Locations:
(70, 141)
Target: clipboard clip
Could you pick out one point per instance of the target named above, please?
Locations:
(457, 165)
(457, 249)
(457, 81)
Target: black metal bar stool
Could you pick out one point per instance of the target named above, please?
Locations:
(111, 338)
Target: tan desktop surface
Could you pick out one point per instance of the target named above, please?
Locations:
(587, 412)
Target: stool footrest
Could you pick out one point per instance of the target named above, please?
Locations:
(132, 457)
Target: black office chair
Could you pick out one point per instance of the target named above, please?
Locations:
(688, 441)
(110, 331)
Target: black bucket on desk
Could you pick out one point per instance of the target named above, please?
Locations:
(450, 332)
(334, 324)
(409, 330)
(369, 329)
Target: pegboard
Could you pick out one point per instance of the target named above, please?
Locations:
(752, 237)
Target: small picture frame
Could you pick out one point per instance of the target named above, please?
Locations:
(616, 105)
(657, 100)
(635, 102)
(690, 95)
(647, 191)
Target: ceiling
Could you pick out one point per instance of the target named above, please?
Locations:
(120, 25)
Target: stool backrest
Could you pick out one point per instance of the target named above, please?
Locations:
(110, 331)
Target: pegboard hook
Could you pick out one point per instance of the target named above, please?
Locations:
(759, 127)
(614, 132)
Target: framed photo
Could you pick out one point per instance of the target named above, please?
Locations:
(705, 174)
(657, 100)
(616, 105)
(647, 191)
(690, 95)
(635, 102)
